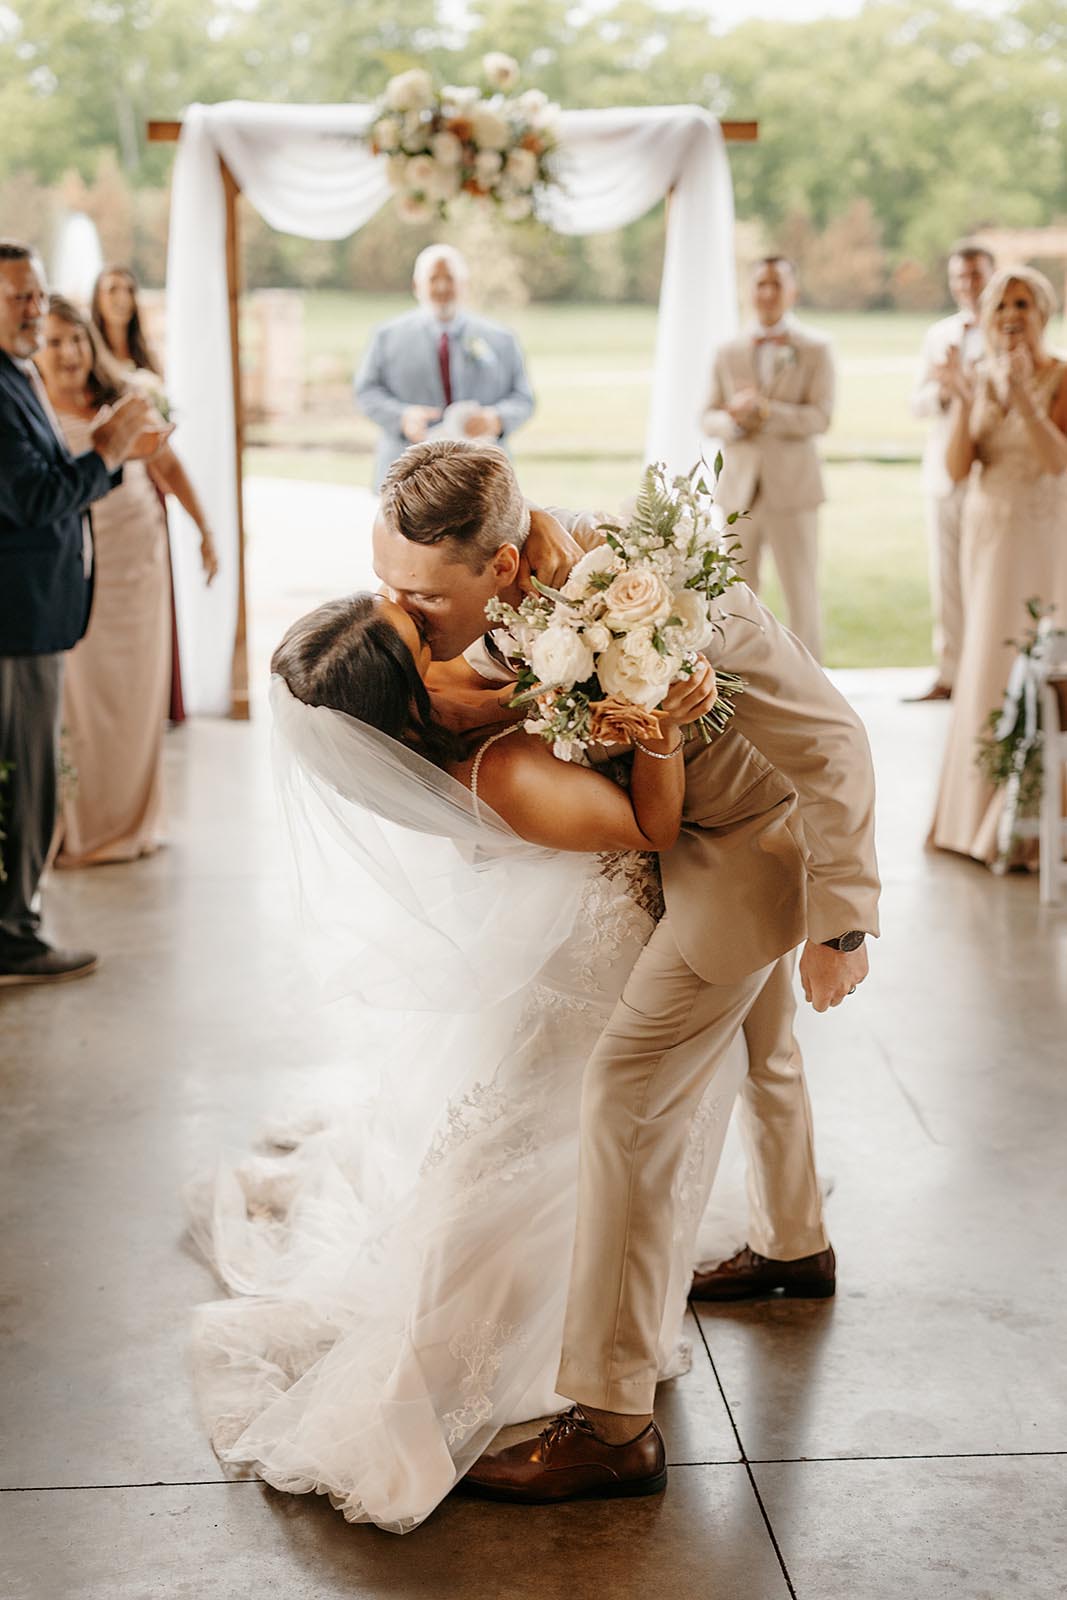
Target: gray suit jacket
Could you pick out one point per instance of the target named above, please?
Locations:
(401, 369)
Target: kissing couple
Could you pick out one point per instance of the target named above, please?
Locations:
(560, 977)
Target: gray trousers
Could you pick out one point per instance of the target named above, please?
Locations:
(29, 729)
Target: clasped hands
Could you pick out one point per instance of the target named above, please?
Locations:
(130, 430)
(748, 410)
(485, 423)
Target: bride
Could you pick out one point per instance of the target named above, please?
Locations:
(399, 1272)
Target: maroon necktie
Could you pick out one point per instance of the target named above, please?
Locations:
(446, 372)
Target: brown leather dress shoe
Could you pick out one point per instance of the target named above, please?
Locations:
(568, 1462)
(936, 691)
(748, 1274)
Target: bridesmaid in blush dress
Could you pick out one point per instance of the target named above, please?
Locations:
(116, 680)
(1009, 435)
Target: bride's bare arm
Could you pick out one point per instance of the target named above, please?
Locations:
(568, 807)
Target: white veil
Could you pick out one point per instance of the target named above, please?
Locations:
(413, 897)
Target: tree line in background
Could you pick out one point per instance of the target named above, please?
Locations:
(883, 135)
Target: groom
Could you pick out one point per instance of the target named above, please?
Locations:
(776, 849)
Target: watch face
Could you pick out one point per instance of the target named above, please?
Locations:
(851, 941)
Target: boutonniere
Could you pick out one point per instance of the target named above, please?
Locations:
(785, 355)
(478, 349)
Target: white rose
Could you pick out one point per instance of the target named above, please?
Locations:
(532, 102)
(420, 173)
(637, 596)
(500, 70)
(410, 208)
(445, 183)
(490, 130)
(602, 558)
(522, 166)
(597, 637)
(447, 149)
(517, 207)
(560, 656)
(696, 632)
(462, 98)
(634, 676)
(487, 165)
(410, 91)
(387, 133)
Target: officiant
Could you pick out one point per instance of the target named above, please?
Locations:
(440, 371)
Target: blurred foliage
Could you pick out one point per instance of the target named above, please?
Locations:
(883, 135)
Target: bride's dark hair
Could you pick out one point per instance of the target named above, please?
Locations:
(347, 656)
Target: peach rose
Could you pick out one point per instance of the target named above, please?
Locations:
(619, 721)
(635, 597)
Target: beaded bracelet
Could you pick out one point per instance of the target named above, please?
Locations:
(660, 755)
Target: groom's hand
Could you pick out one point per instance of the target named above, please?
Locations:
(548, 554)
(828, 975)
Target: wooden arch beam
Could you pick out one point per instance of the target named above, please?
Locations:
(160, 132)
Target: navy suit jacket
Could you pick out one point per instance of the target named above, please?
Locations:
(45, 593)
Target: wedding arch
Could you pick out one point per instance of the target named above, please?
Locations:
(307, 172)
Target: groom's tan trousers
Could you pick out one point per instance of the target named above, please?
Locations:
(667, 1038)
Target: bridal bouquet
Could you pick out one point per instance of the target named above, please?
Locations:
(442, 143)
(598, 655)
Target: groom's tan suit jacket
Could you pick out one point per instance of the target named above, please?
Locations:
(778, 824)
(777, 841)
(780, 461)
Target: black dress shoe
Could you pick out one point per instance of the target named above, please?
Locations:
(50, 966)
(567, 1461)
(748, 1274)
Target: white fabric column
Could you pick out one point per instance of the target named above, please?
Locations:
(306, 172)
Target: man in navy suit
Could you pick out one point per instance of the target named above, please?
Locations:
(439, 356)
(46, 581)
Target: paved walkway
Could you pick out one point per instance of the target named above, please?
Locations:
(907, 1439)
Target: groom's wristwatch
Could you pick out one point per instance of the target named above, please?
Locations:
(846, 942)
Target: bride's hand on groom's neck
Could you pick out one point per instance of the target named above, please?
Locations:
(548, 554)
(461, 708)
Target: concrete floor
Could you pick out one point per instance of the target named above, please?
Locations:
(907, 1439)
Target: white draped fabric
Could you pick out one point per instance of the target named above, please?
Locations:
(306, 172)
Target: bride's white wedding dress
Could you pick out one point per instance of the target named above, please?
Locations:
(399, 1273)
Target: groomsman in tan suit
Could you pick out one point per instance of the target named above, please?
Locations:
(776, 851)
(953, 342)
(772, 394)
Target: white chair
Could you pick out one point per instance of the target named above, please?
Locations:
(1053, 824)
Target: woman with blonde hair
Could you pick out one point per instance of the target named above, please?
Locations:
(1009, 439)
(117, 678)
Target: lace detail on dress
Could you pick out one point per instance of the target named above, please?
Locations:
(480, 1348)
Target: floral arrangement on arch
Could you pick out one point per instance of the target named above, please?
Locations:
(445, 142)
(596, 657)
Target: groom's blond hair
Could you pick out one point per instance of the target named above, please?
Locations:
(459, 493)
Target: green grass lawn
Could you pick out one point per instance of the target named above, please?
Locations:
(590, 367)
